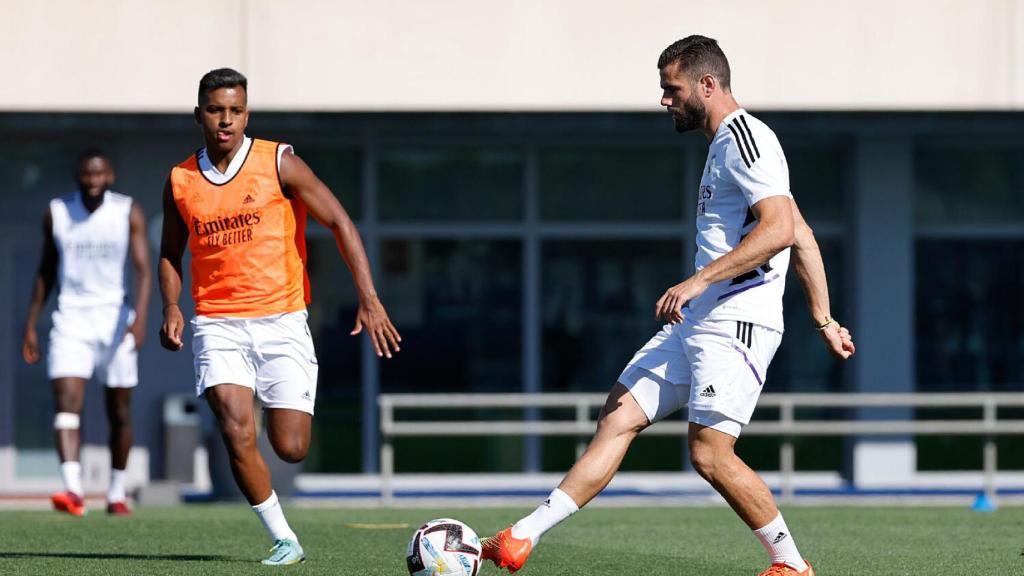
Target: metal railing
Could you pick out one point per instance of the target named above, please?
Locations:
(787, 426)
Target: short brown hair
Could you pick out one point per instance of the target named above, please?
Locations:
(697, 56)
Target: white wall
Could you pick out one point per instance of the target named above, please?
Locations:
(390, 55)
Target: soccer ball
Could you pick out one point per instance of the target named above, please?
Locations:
(443, 547)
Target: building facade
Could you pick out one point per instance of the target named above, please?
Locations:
(524, 203)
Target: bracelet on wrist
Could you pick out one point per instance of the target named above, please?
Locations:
(828, 322)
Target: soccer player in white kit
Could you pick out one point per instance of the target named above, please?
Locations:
(724, 322)
(87, 236)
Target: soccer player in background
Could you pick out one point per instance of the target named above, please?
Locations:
(87, 236)
(240, 205)
(724, 322)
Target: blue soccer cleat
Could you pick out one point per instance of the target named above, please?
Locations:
(285, 553)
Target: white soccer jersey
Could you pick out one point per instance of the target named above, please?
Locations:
(92, 249)
(745, 165)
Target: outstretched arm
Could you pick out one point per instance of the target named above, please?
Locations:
(45, 278)
(810, 270)
(139, 246)
(772, 234)
(299, 180)
(172, 248)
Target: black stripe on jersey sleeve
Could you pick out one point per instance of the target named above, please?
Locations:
(736, 137)
(743, 120)
(743, 136)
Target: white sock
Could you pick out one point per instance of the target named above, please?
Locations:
(556, 508)
(272, 516)
(71, 473)
(116, 491)
(778, 541)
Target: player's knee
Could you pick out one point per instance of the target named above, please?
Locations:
(238, 435)
(68, 402)
(705, 460)
(120, 418)
(66, 421)
(293, 451)
(621, 423)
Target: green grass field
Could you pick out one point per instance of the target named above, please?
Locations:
(228, 539)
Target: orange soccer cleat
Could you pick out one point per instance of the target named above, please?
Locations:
(506, 551)
(118, 509)
(68, 502)
(786, 570)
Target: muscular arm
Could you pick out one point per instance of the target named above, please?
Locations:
(139, 246)
(810, 270)
(772, 234)
(42, 285)
(172, 248)
(297, 179)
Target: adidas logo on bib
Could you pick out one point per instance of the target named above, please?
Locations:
(708, 392)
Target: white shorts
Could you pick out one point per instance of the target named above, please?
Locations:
(716, 368)
(272, 355)
(94, 342)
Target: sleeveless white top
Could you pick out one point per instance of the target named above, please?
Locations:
(93, 248)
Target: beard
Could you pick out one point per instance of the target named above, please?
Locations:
(691, 116)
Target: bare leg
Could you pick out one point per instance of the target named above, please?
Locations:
(68, 395)
(289, 432)
(119, 414)
(620, 421)
(713, 456)
(232, 404)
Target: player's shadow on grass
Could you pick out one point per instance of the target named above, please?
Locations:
(123, 556)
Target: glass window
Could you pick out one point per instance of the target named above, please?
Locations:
(455, 183)
(337, 428)
(970, 315)
(341, 170)
(33, 396)
(817, 178)
(33, 172)
(597, 310)
(458, 306)
(598, 306)
(802, 364)
(608, 183)
(968, 182)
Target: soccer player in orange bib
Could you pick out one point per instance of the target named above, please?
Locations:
(240, 205)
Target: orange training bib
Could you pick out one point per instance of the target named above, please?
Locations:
(246, 237)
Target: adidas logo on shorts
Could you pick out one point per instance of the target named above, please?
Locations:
(306, 395)
(708, 392)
